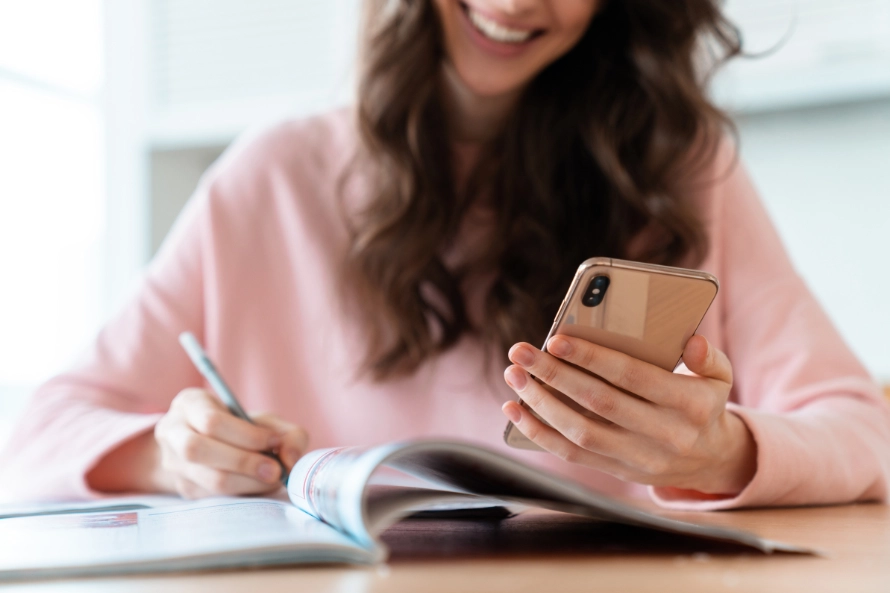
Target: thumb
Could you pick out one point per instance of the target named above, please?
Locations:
(294, 439)
(705, 360)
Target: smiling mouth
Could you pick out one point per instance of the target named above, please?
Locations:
(496, 31)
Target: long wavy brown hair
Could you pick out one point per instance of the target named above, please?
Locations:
(591, 156)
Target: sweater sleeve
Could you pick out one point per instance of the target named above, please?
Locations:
(820, 423)
(123, 383)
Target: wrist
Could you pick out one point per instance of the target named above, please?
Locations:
(132, 466)
(738, 463)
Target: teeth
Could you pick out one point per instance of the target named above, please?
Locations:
(495, 31)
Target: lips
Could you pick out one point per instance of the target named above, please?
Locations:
(496, 31)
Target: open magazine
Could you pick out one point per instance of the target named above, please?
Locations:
(339, 502)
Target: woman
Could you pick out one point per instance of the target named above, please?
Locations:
(363, 273)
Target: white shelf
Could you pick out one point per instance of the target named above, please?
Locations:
(750, 91)
(810, 52)
(217, 68)
(218, 123)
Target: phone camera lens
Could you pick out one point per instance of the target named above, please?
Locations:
(596, 291)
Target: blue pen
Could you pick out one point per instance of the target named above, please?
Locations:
(204, 365)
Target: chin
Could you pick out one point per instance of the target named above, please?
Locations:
(482, 82)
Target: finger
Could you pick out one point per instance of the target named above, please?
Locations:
(294, 439)
(645, 467)
(705, 360)
(220, 424)
(625, 372)
(188, 489)
(195, 448)
(553, 442)
(580, 430)
(219, 482)
(589, 391)
(195, 396)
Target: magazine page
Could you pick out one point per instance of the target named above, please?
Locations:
(468, 468)
(114, 503)
(215, 532)
(356, 491)
(339, 487)
(323, 478)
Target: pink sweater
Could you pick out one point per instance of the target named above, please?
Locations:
(251, 269)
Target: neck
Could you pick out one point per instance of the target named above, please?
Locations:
(473, 118)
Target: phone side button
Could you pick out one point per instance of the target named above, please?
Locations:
(559, 313)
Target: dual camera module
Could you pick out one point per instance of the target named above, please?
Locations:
(596, 291)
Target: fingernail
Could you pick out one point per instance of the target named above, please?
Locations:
(559, 347)
(274, 441)
(522, 356)
(516, 378)
(267, 472)
(512, 412)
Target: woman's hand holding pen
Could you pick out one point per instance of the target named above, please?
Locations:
(654, 426)
(205, 451)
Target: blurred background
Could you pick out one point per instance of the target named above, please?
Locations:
(110, 110)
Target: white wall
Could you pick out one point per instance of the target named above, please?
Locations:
(824, 174)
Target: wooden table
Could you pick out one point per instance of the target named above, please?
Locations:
(855, 539)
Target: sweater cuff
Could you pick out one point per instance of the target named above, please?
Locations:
(56, 470)
(768, 432)
(118, 428)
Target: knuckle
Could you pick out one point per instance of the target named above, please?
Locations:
(259, 436)
(587, 396)
(604, 405)
(219, 482)
(682, 444)
(269, 422)
(682, 402)
(167, 463)
(264, 418)
(699, 415)
(255, 436)
(533, 396)
(187, 395)
(299, 438)
(586, 356)
(161, 428)
(547, 372)
(629, 377)
(178, 400)
(654, 465)
(212, 422)
(192, 448)
(247, 464)
(585, 439)
(532, 432)
(570, 454)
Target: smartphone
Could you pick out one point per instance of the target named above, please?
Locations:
(643, 310)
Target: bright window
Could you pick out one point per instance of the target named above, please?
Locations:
(52, 199)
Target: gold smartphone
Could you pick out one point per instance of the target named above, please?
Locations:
(643, 310)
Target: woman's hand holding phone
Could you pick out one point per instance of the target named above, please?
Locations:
(658, 427)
